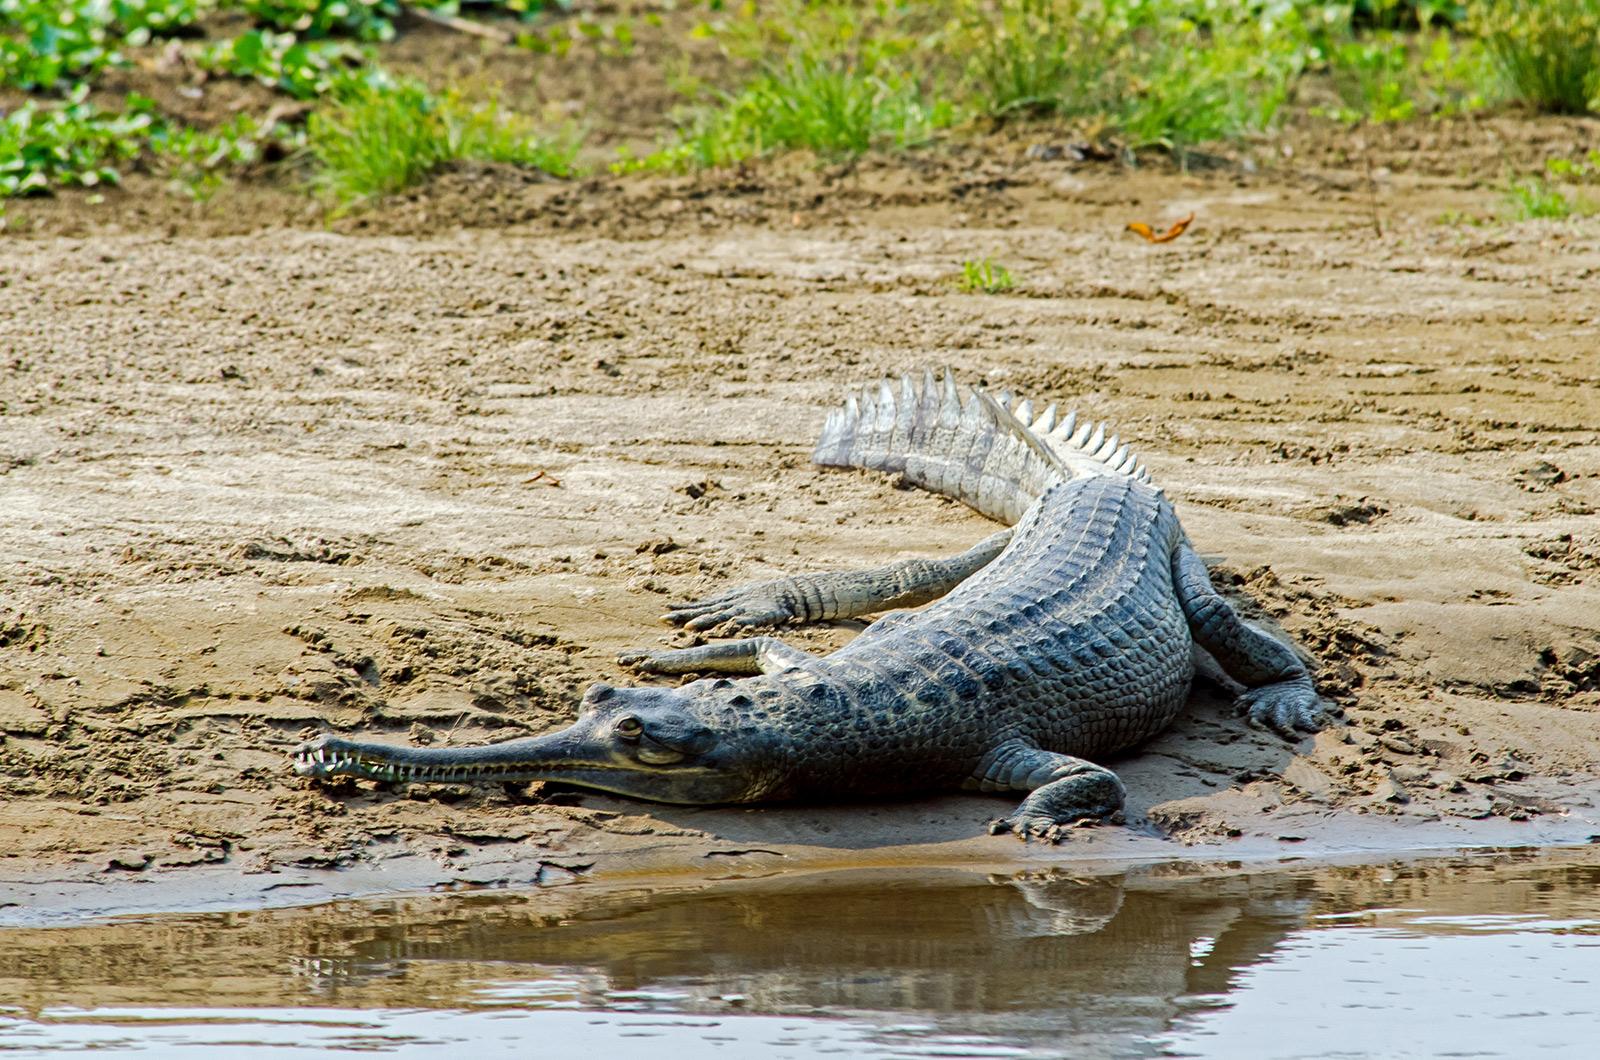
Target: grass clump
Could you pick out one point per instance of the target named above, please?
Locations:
(1032, 57)
(1157, 72)
(1535, 197)
(832, 78)
(375, 140)
(1548, 51)
(831, 108)
(983, 276)
(1538, 197)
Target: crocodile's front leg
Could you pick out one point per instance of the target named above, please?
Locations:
(1064, 789)
(842, 594)
(754, 655)
(1281, 694)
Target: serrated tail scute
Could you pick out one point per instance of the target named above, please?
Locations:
(986, 450)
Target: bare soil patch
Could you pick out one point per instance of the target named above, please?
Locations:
(426, 473)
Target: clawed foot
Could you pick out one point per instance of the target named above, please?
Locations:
(1289, 708)
(761, 604)
(729, 657)
(646, 662)
(1031, 826)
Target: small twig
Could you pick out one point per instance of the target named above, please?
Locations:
(290, 111)
(1372, 188)
(461, 25)
(545, 477)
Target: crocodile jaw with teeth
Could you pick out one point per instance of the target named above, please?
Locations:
(332, 757)
(673, 757)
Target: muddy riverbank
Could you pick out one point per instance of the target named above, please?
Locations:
(427, 479)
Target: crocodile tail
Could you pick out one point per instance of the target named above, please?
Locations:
(989, 451)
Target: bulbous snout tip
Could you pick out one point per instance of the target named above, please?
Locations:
(319, 757)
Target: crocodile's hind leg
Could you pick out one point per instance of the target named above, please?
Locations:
(844, 594)
(1064, 789)
(754, 655)
(1281, 694)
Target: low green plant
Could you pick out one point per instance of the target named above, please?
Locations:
(1457, 73)
(369, 20)
(1197, 89)
(608, 38)
(1405, 14)
(45, 44)
(1374, 78)
(1532, 198)
(1585, 171)
(984, 276)
(1159, 72)
(1385, 76)
(44, 146)
(301, 68)
(373, 141)
(834, 108)
(1036, 56)
(197, 161)
(872, 32)
(308, 49)
(1548, 51)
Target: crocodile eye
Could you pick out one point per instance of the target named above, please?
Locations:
(629, 727)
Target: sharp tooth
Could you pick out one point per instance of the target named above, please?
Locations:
(320, 755)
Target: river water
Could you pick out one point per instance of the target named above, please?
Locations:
(1480, 955)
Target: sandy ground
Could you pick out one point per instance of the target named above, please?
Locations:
(422, 479)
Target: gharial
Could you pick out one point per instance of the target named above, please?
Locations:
(1064, 639)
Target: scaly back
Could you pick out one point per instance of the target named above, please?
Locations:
(990, 452)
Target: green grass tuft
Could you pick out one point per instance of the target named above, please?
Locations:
(834, 108)
(1151, 70)
(1548, 51)
(983, 276)
(1033, 57)
(374, 140)
(1534, 198)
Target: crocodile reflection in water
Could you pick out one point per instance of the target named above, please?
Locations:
(1020, 954)
(1104, 963)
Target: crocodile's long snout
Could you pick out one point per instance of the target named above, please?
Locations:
(641, 742)
(539, 758)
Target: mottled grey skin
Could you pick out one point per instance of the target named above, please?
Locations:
(1067, 639)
